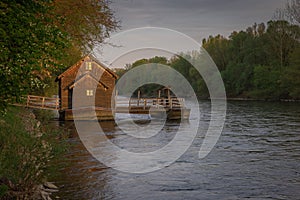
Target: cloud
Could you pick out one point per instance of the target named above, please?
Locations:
(197, 18)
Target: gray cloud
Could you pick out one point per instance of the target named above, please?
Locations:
(196, 18)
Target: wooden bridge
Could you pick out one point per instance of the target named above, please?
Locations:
(175, 107)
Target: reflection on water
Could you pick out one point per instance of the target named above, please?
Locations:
(257, 157)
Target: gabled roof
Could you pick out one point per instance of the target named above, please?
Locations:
(79, 63)
(85, 76)
(103, 66)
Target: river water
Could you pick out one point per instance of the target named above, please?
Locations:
(256, 157)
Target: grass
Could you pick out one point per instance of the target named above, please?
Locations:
(27, 149)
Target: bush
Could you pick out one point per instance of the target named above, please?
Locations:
(26, 151)
(267, 83)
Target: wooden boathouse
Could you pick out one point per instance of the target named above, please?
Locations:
(94, 86)
(83, 76)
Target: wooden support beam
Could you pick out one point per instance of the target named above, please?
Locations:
(43, 102)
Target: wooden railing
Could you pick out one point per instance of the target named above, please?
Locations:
(42, 102)
(145, 103)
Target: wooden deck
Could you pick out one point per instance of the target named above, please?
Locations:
(143, 105)
(173, 107)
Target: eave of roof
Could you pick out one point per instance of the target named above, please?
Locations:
(114, 75)
(87, 75)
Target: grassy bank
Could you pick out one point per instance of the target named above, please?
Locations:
(28, 146)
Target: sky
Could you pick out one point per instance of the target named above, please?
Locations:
(195, 18)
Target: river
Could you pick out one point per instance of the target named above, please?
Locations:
(256, 157)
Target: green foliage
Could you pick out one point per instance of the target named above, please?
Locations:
(181, 64)
(139, 63)
(267, 83)
(3, 190)
(236, 78)
(291, 80)
(87, 22)
(217, 47)
(27, 149)
(120, 71)
(149, 90)
(261, 62)
(30, 47)
(281, 40)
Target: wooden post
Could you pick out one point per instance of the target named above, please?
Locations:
(169, 97)
(158, 98)
(57, 104)
(28, 99)
(139, 96)
(116, 99)
(43, 102)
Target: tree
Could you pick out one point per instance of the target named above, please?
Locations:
(237, 79)
(159, 59)
(30, 46)
(291, 80)
(282, 38)
(261, 29)
(237, 46)
(87, 22)
(267, 83)
(140, 62)
(217, 47)
(293, 10)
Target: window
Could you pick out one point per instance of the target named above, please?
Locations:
(88, 66)
(89, 93)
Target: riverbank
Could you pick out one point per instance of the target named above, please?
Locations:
(255, 99)
(28, 147)
(266, 100)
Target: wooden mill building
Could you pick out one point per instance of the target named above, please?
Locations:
(93, 84)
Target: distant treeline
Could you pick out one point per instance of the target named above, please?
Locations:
(261, 62)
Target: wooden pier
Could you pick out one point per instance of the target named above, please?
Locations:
(174, 108)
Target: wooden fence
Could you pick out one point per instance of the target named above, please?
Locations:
(42, 102)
